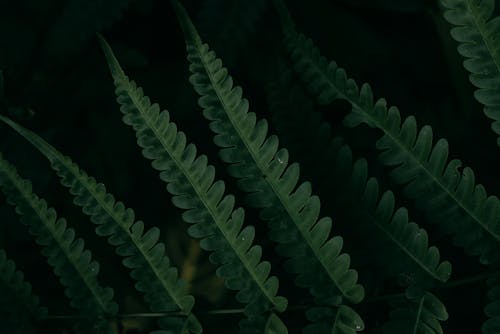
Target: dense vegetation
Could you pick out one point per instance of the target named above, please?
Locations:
(277, 194)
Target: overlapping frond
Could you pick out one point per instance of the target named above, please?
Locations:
(19, 307)
(190, 180)
(477, 30)
(420, 313)
(142, 252)
(72, 263)
(263, 171)
(445, 190)
(398, 244)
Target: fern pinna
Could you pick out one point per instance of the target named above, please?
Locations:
(446, 191)
(261, 168)
(142, 252)
(72, 263)
(451, 194)
(402, 275)
(397, 246)
(476, 29)
(190, 180)
(400, 247)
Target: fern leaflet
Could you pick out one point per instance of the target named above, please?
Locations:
(476, 30)
(71, 262)
(396, 242)
(449, 197)
(191, 182)
(141, 250)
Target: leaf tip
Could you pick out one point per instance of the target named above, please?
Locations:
(114, 65)
(187, 26)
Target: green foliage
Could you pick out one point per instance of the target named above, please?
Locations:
(402, 246)
(446, 190)
(191, 182)
(262, 171)
(71, 261)
(141, 250)
(476, 29)
(296, 182)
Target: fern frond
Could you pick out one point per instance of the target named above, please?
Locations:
(477, 31)
(263, 172)
(445, 190)
(18, 305)
(72, 263)
(396, 242)
(190, 180)
(142, 252)
(420, 314)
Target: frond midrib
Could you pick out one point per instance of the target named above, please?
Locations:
(29, 198)
(409, 153)
(199, 193)
(253, 154)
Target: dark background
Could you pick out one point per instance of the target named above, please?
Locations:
(56, 83)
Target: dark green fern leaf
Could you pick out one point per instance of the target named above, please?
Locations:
(396, 243)
(190, 180)
(19, 307)
(477, 32)
(262, 171)
(446, 191)
(420, 313)
(72, 263)
(142, 252)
